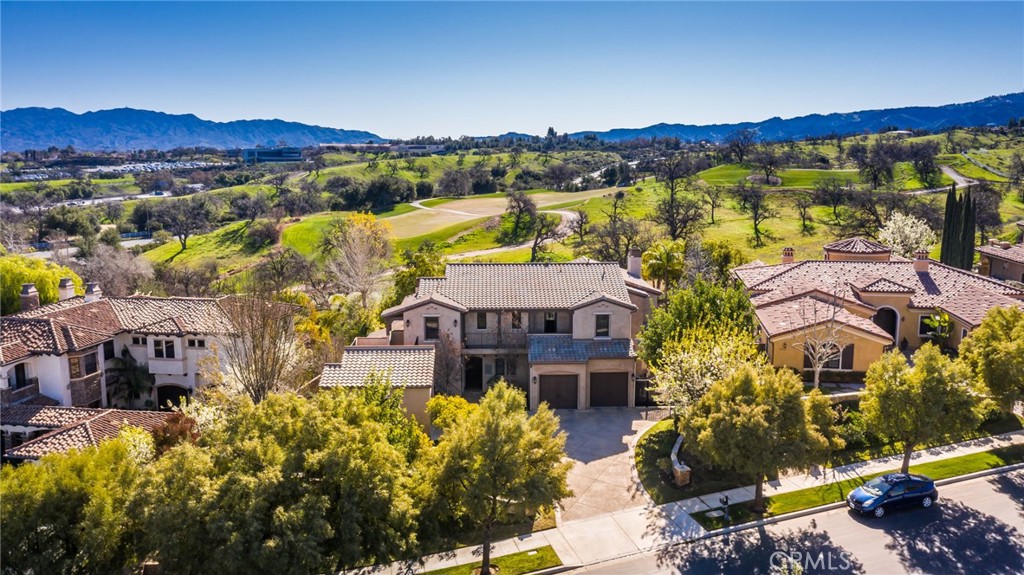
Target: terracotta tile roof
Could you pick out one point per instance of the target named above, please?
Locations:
(857, 245)
(188, 315)
(550, 348)
(22, 337)
(972, 305)
(630, 279)
(881, 285)
(792, 315)
(523, 286)
(757, 272)
(88, 431)
(932, 289)
(405, 365)
(41, 416)
(1015, 253)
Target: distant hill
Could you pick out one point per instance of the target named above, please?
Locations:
(131, 129)
(992, 110)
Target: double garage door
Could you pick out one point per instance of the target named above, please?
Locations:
(606, 390)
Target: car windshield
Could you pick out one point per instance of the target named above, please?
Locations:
(876, 486)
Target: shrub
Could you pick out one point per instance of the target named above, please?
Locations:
(261, 233)
(160, 237)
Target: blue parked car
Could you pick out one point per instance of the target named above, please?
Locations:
(893, 490)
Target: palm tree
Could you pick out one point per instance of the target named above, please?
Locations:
(665, 262)
(128, 380)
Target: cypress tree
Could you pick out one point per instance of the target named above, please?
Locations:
(946, 248)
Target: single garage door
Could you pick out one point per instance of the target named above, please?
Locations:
(609, 389)
(560, 391)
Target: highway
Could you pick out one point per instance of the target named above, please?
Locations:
(977, 528)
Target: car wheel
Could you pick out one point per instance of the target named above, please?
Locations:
(926, 502)
(879, 511)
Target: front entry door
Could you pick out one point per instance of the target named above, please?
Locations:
(474, 373)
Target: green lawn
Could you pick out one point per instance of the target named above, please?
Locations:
(514, 564)
(836, 492)
(225, 245)
(438, 236)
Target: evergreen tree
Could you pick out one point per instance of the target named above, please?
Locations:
(947, 248)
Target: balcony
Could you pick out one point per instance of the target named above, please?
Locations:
(16, 392)
(85, 390)
(494, 341)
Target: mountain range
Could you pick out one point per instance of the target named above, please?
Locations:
(128, 128)
(131, 129)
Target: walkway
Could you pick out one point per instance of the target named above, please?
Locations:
(640, 529)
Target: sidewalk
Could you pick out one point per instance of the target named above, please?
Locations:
(640, 529)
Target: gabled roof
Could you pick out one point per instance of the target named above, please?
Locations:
(519, 286)
(550, 348)
(600, 296)
(44, 416)
(91, 427)
(1014, 253)
(404, 365)
(857, 245)
(806, 312)
(881, 285)
(412, 301)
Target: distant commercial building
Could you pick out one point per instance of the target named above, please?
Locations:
(260, 155)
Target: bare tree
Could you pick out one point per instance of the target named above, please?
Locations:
(754, 200)
(803, 204)
(712, 197)
(739, 143)
(447, 365)
(768, 161)
(522, 208)
(579, 225)
(357, 251)
(119, 271)
(821, 335)
(832, 192)
(545, 228)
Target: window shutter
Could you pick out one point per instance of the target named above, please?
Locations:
(847, 362)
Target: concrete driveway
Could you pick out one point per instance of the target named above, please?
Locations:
(601, 441)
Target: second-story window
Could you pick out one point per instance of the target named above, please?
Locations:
(200, 343)
(108, 350)
(517, 320)
(163, 348)
(83, 365)
(602, 321)
(481, 320)
(550, 322)
(431, 328)
(138, 340)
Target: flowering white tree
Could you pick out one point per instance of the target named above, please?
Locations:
(906, 234)
(689, 366)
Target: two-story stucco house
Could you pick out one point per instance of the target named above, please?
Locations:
(59, 354)
(879, 301)
(564, 332)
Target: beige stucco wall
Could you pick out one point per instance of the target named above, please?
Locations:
(414, 400)
(645, 305)
(584, 320)
(414, 332)
(786, 352)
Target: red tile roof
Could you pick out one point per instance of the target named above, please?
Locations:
(88, 430)
(793, 315)
(857, 245)
(404, 365)
(1014, 253)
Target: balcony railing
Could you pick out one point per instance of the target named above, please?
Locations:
(85, 390)
(495, 340)
(28, 388)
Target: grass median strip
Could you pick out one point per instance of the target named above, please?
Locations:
(514, 564)
(835, 492)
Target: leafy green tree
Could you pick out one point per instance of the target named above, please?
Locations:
(291, 485)
(995, 353)
(70, 512)
(498, 457)
(915, 405)
(721, 257)
(447, 410)
(702, 304)
(756, 424)
(16, 270)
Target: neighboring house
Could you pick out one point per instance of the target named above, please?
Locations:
(1003, 260)
(563, 332)
(31, 431)
(409, 367)
(879, 301)
(60, 353)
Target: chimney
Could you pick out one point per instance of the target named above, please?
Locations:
(93, 291)
(29, 297)
(66, 289)
(1004, 245)
(787, 255)
(633, 266)
(993, 242)
(921, 261)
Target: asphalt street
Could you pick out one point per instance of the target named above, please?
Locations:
(977, 528)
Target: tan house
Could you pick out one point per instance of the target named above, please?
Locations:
(409, 367)
(563, 332)
(878, 302)
(1003, 260)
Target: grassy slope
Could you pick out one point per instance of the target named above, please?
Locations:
(512, 564)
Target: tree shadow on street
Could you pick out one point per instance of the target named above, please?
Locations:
(952, 538)
(758, 551)
(1012, 485)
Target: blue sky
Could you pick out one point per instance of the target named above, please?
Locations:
(462, 68)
